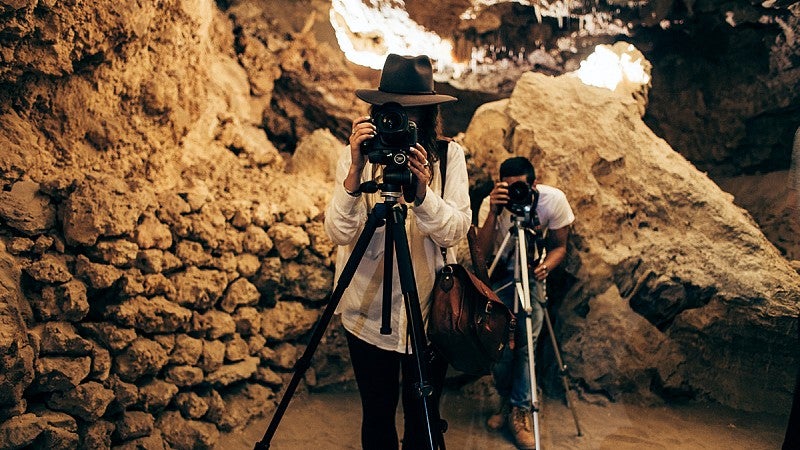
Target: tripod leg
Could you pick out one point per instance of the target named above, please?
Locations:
(419, 342)
(388, 263)
(562, 368)
(499, 254)
(521, 271)
(374, 219)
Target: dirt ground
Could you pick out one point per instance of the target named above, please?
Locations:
(331, 420)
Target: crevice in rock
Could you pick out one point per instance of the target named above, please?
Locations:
(661, 303)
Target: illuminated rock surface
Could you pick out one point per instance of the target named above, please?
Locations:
(670, 289)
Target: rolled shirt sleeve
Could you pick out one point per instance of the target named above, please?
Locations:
(346, 214)
(447, 220)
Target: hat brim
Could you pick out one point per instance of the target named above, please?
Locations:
(378, 97)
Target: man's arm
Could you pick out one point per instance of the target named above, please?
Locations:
(486, 235)
(490, 209)
(556, 252)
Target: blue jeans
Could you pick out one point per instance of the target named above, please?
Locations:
(511, 375)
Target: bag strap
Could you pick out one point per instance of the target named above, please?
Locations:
(478, 262)
(443, 147)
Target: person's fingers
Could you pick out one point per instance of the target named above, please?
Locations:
(361, 127)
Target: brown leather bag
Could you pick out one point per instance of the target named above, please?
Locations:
(468, 324)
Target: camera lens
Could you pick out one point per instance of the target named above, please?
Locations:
(519, 193)
(391, 121)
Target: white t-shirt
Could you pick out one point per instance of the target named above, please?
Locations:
(552, 209)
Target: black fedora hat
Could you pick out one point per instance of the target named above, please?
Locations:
(407, 80)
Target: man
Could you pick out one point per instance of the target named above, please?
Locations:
(554, 216)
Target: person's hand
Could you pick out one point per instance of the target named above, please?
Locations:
(362, 130)
(498, 198)
(421, 168)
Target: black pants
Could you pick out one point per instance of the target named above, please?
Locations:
(378, 375)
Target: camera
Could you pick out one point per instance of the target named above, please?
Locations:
(520, 198)
(395, 134)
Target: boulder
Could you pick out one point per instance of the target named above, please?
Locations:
(669, 289)
(155, 395)
(287, 320)
(133, 424)
(65, 301)
(198, 289)
(240, 292)
(186, 434)
(289, 240)
(21, 430)
(104, 206)
(87, 401)
(142, 357)
(150, 315)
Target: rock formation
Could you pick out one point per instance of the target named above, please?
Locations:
(669, 288)
(160, 265)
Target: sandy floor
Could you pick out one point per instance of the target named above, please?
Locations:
(331, 420)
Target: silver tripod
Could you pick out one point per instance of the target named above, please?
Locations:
(522, 298)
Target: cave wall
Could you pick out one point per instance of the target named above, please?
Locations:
(160, 260)
(724, 90)
(730, 105)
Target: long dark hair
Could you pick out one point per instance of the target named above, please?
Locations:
(429, 130)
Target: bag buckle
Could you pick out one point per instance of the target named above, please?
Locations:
(447, 274)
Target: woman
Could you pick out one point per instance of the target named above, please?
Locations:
(439, 216)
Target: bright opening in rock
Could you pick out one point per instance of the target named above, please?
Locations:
(605, 68)
(368, 30)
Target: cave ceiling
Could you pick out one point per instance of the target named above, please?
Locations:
(725, 74)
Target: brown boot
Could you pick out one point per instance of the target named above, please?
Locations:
(498, 420)
(521, 423)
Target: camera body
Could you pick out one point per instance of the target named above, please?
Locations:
(394, 135)
(520, 198)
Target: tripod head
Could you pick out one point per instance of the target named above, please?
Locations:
(397, 181)
(525, 217)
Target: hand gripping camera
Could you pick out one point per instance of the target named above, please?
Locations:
(395, 134)
(521, 198)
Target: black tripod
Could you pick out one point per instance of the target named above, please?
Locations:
(392, 215)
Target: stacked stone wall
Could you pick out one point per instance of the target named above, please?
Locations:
(151, 321)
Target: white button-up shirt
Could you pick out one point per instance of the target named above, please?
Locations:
(437, 222)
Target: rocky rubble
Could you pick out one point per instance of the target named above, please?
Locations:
(124, 333)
